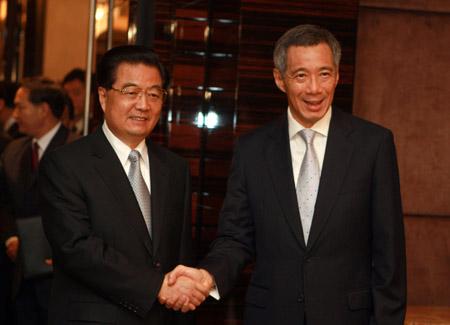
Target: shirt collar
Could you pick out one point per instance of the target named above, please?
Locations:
(123, 150)
(44, 141)
(321, 126)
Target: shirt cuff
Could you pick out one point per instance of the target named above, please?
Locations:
(215, 293)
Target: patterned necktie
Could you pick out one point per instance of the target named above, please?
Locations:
(308, 182)
(140, 188)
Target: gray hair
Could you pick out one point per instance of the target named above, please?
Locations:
(304, 35)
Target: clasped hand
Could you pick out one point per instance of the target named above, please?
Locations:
(185, 288)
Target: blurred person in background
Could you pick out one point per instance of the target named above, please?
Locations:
(38, 107)
(74, 83)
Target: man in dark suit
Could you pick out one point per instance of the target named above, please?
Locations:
(314, 198)
(38, 108)
(116, 207)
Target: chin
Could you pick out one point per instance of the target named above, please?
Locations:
(140, 133)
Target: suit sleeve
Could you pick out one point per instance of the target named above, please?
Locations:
(234, 246)
(388, 241)
(83, 254)
(186, 252)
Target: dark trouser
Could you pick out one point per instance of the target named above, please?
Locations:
(31, 304)
(6, 309)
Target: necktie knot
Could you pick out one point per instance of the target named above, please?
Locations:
(134, 156)
(307, 135)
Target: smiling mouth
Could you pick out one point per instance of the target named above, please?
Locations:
(313, 102)
(138, 118)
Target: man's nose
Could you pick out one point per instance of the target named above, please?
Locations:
(143, 102)
(313, 85)
(15, 113)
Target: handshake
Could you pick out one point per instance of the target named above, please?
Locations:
(185, 288)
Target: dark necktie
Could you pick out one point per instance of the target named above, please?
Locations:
(34, 156)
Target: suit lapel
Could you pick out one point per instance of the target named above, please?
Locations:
(28, 177)
(108, 166)
(278, 158)
(335, 165)
(58, 140)
(159, 176)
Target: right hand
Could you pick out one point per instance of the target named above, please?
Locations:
(200, 276)
(184, 295)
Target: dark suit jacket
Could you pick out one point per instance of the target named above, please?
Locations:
(107, 269)
(19, 192)
(352, 271)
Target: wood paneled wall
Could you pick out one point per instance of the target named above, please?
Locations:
(219, 54)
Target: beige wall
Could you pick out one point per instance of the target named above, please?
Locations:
(65, 39)
(402, 82)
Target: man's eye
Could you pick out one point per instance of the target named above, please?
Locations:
(131, 92)
(153, 94)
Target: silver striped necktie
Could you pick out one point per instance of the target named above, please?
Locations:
(308, 182)
(140, 188)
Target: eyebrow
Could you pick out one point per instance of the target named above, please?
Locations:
(128, 84)
(320, 69)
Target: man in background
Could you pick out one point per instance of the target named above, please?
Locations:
(313, 198)
(38, 106)
(75, 87)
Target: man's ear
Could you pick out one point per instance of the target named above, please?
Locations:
(45, 109)
(337, 78)
(102, 97)
(279, 81)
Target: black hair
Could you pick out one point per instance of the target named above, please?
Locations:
(42, 90)
(133, 54)
(75, 74)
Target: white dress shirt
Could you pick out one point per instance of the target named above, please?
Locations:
(44, 141)
(123, 151)
(298, 146)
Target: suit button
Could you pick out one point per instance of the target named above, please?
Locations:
(301, 298)
(157, 264)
